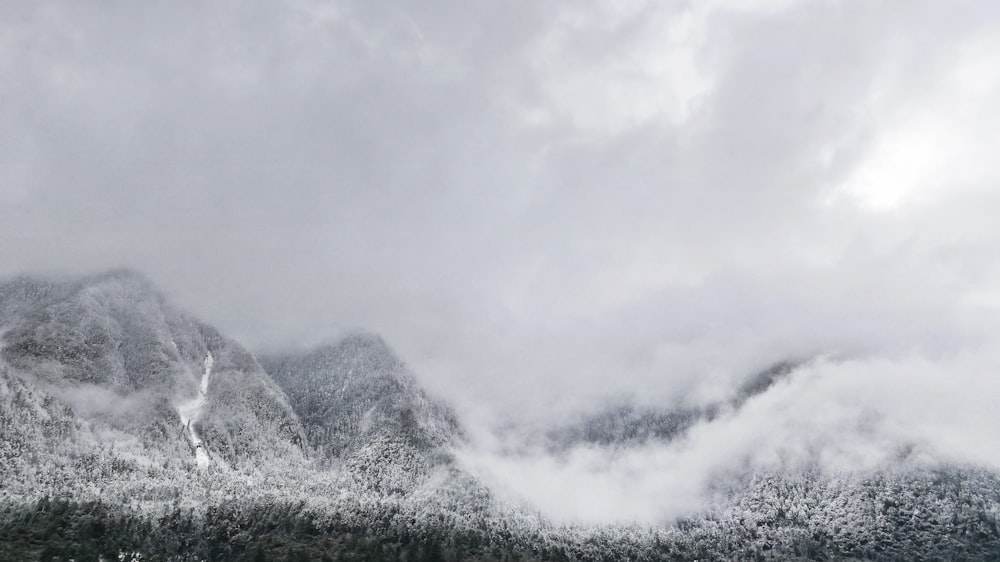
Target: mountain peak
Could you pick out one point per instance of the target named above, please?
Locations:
(359, 354)
(121, 277)
(364, 340)
(364, 345)
(351, 390)
(123, 286)
(114, 335)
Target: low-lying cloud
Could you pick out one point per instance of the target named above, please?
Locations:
(542, 204)
(840, 417)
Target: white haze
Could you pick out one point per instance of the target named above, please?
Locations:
(543, 204)
(842, 417)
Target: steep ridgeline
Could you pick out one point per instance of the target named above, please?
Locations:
(626, 424)
(133, 431)
(362, 408)
(138, 376)
(120, 406)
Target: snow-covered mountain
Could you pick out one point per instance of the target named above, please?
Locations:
(352, 392)
(131, 427)
(364, 411)
(108, 393)
(628, 424)
(124, 360)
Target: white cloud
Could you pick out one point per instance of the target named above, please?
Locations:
(537, 204)
(841, 416)
(609, 68)
(936, 142)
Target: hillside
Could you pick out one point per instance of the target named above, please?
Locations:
(131, 427)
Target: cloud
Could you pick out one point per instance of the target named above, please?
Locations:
(842, 417)
(538, 204)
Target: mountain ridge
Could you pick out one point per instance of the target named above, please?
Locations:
(106, 391)
(113, 337)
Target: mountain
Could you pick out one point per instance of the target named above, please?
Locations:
(134, 368)
(626, 424)
(355, 391)
(131, 430)
(362, 409)
(110, 396)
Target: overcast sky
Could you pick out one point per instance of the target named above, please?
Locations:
(528, 200)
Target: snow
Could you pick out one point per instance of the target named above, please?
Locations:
(190, 411)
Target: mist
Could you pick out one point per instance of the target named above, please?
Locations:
(542, 206)
(841, 418)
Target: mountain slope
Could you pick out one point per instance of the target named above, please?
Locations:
(627, 424)
(123, 360)
(349, 393)
(363, 410)
(130, 427)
